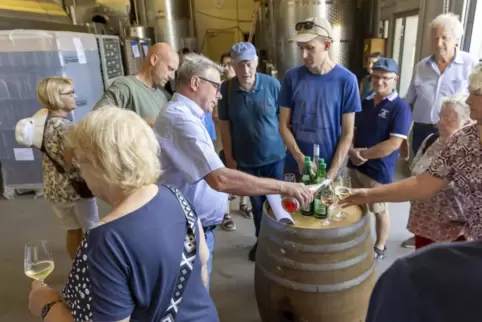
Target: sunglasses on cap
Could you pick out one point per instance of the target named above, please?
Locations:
(308, 25)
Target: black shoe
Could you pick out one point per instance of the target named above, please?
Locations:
(252, 253)
(379, 253)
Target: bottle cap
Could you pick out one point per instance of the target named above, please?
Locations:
(307, 159)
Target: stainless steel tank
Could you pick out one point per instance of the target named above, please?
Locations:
(112, 15)
(134, 51)
(286, 13)
(172, 21)
(141, 32)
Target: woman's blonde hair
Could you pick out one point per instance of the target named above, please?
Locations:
(48, 91)
(119, 145)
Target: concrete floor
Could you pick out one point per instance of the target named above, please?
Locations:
(232, 289)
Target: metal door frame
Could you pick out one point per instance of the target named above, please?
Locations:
(404, 16)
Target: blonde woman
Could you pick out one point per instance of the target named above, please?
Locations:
(148, 252)
(76, 213)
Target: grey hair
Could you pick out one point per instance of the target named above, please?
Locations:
(475, 80)
(459, 104)
(451, 23)
(195, 65)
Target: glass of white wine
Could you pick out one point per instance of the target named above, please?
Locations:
(38, 261)
(342, 190)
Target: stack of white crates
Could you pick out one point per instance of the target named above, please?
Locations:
(27, 56)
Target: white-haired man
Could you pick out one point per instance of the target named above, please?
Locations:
(444, 73)
(189, 160)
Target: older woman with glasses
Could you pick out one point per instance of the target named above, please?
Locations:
(76, 211)
(440, 218)
(459, 162)
(147, 260)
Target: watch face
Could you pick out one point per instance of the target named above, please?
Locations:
(45, 310)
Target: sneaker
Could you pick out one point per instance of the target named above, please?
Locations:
(379, 253)
(409, 243)
(252, 253)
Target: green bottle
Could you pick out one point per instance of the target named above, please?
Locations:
(306, 179)
(320, 209)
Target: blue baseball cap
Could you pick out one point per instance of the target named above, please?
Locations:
(243, 51)
(386, 64)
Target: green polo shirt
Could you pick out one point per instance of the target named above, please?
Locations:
(132, 94)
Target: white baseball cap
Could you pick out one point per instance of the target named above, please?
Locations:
(311, 28)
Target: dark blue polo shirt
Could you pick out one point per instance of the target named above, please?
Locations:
(254, 121)
(377, 123)
(438, 283)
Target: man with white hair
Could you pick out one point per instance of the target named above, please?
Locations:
(318, 101)
(248, 114)
(442, 74)
(189, 160)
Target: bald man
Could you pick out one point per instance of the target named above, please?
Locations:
(144, 92)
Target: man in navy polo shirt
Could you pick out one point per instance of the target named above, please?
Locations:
(380, 128)
(248, 114)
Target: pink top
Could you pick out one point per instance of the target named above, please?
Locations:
(439, 218)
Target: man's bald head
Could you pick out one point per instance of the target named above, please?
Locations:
(161, 63)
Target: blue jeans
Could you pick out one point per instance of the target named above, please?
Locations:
(273, 170)
(420, 133)
(210, 240)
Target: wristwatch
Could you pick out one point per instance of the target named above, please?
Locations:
(47, 307)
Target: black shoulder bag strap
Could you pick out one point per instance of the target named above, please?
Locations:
(430, 140)
(187, 259)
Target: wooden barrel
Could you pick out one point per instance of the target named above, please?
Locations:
(321, 274)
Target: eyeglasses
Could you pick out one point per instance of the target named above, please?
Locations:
(384, 78)
(72, 92)
(308, 25)
(216, 85)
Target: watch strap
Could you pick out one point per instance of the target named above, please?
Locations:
(46, 308)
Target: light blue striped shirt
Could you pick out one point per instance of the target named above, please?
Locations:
(428, 86)
(188, 156)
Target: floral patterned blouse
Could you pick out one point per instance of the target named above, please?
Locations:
(461, 162)
(57, 187)
(440, 218)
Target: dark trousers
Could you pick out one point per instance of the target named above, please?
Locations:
(420, 133)
(273, 170)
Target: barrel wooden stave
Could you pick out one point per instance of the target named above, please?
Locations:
(314, 276)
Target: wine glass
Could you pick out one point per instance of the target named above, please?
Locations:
(289, 177)
(329, 198)
(38, 261)
(342, 185)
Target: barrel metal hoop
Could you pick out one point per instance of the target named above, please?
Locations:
(310, 288)
(284, 262)
(331, 248)
(309, 233)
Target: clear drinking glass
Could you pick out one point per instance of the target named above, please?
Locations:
(342, 186)
(290, 177)
(38, 261)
